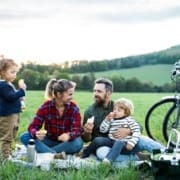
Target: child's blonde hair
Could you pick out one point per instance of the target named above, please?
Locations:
(5, 64)
(126, 104)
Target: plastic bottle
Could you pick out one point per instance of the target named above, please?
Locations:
(31, 152)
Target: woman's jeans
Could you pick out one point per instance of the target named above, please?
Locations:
(47, 145)
(144, 144)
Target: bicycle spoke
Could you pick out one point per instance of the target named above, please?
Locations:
(170, 122)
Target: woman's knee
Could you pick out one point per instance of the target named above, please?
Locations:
(78, 144)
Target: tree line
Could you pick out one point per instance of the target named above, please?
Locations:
(37, 81)
(168, 56)
(36, 76)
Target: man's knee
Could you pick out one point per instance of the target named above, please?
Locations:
(98, 141)
(148, 144)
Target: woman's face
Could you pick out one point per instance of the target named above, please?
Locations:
(66, 96)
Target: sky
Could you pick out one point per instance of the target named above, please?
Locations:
(55, 31)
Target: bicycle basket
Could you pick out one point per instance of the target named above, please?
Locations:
(166, 164)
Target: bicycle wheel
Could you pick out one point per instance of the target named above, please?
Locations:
(170, 122)
(155, 118)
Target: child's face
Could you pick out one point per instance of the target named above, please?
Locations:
(10, 74)
(119, 112)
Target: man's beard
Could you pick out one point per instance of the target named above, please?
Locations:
(99, 101)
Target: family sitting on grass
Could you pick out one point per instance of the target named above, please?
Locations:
(113, 125)
(109, 126)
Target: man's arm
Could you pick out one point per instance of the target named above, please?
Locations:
(87, 132)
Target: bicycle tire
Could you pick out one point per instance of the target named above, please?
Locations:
(155, 116)
(169, 123)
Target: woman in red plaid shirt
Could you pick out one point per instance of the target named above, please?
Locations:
(60, 118)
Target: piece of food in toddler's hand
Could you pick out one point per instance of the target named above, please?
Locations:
(21, 81)
(91, 120)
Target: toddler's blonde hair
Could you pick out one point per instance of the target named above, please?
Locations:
(126, 104)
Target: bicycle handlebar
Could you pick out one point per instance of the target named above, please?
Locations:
(176, 71)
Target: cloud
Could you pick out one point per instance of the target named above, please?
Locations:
(86, 29)
(20, 15)
(137, 16)
(125, 11)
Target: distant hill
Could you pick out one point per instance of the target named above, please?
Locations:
(167, 56)
(157, 74)
(153, 67)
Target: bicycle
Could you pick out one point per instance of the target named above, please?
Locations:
(167, 110)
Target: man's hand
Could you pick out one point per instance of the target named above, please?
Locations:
(64, 137)
(121, 133)
(88, 128)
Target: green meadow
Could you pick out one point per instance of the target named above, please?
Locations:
(34, 99)
(142, 102)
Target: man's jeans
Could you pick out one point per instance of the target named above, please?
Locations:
(47, 145)
(144, 144)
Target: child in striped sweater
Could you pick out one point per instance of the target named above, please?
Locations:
(121, 117)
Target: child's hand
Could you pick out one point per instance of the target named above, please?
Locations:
(110, 116)
(129, 147)
(21, 84)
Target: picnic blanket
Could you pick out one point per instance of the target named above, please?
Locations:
(46, 161)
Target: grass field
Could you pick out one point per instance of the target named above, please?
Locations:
(34, 99)
(142, 102)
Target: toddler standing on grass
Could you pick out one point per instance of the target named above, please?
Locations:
(10, 105)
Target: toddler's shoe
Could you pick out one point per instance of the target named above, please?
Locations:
(106, 161)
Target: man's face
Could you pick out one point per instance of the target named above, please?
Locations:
(100, 94)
